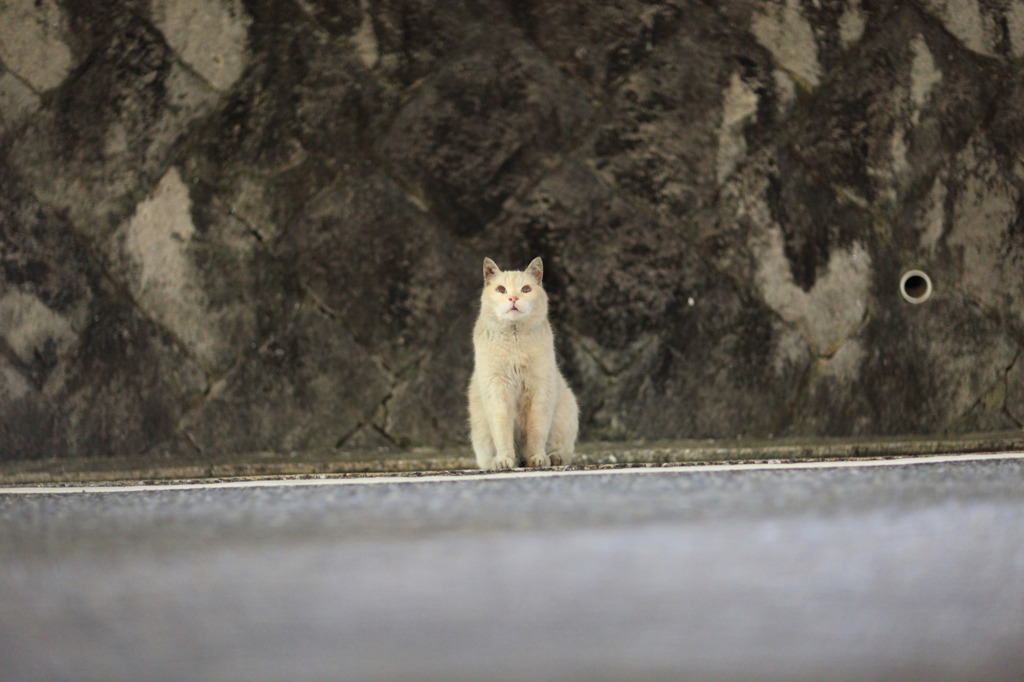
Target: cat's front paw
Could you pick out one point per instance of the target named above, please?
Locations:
(540, 460)
(500, 463)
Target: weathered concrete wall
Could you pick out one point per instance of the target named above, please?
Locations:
(254, 225)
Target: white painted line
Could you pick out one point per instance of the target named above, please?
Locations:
(333, 480)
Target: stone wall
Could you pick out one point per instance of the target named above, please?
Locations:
(258, 225)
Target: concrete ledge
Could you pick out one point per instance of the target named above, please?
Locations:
(115, 469)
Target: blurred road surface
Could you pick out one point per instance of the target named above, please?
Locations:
(907, 570)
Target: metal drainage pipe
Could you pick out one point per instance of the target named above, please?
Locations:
(915, 286)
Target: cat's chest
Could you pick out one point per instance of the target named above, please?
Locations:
(513, 356)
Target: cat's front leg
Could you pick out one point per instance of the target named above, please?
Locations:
(487, 454)
(536, 438)
(504, 455)
(502, 425)
(482, 428)
(538, 426)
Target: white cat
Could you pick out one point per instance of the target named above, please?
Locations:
(518, 399)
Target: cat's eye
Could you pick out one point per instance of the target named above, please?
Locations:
(527, 289)
(500, 290)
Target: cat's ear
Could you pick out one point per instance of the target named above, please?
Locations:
(536, 269)
(490, 271)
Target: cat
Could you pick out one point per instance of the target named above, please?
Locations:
(518, 398)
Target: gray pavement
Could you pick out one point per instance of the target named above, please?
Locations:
(898, 572)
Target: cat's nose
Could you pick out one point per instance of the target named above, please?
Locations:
(513, 298)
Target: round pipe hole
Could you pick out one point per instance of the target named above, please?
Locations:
(915, 286)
